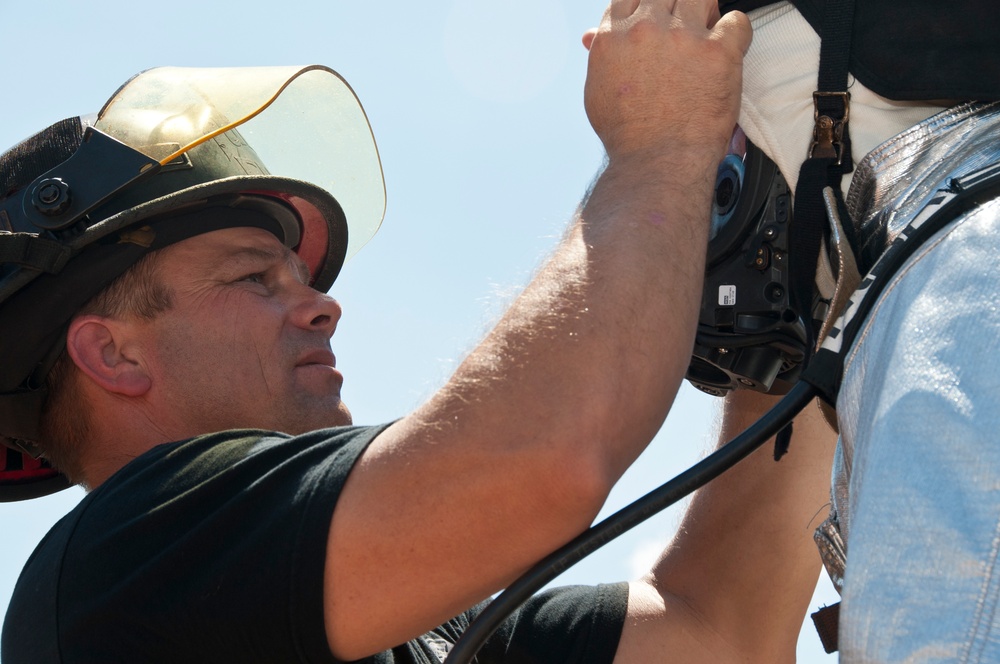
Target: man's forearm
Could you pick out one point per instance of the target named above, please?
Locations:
(744, 559)
(598, 343)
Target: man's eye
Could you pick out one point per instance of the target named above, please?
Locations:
(255, 278)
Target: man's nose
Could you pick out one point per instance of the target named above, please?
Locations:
(317, 311)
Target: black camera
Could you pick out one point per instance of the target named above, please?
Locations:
(749, 335)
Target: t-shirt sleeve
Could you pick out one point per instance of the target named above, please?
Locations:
(572, 624)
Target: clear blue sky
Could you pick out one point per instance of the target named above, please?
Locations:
(477, 110)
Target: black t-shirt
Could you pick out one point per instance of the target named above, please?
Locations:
(213, 550)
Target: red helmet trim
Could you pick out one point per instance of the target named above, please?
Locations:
(314, 241)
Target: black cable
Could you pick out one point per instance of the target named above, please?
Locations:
(627, 518)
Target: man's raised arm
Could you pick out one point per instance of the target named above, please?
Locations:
(734, 585)
(516, 454)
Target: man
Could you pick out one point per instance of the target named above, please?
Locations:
(208, 536)
(915, 477)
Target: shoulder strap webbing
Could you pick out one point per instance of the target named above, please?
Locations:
(829, 158)
(960, 195)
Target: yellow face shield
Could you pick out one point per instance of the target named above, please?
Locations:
(303, 123)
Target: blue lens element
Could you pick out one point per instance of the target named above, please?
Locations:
(728, 185)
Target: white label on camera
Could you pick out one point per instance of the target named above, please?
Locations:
(727, 296)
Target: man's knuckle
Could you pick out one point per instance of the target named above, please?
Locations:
(642, 29)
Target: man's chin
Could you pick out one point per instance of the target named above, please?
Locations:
(343, 415)
(332, 415)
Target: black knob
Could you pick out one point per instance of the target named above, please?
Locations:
(51, 197)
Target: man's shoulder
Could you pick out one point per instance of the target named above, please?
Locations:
(247, 452)
(171, 484)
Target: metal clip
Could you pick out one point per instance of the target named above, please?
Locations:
(828, 132)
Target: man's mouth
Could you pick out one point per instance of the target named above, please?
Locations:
(318, 357)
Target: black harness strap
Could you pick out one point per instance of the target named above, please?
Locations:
(960, 195)
(829, 158)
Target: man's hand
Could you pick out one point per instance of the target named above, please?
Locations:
(665, 76)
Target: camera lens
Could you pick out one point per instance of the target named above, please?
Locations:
(727, 192)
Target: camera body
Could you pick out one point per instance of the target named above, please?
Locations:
(749, 335)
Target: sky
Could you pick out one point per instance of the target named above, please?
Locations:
(478, 114)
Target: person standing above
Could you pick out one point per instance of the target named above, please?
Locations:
(895, 105)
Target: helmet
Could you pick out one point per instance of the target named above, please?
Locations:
(176, 152)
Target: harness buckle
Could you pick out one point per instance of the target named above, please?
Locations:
(830, 124)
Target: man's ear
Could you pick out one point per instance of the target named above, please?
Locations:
(96, 345)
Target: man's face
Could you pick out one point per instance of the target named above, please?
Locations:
(246, 342)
